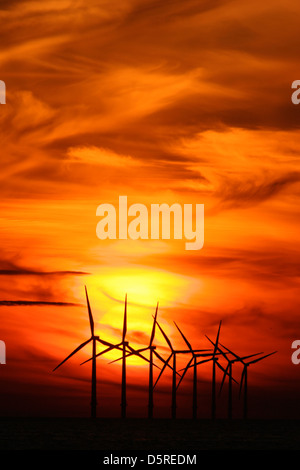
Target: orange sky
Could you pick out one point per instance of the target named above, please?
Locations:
(163, 102)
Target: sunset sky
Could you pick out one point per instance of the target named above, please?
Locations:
(165, 102)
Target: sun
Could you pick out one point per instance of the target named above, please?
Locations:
(145, 289)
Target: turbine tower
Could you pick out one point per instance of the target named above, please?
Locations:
(152, 350)
(172, 355)
(93, 339)
(124, 346)
(228, 372)
(215, 363)
(244, 377)
(193, 363)
(126, 350)
(214, 359)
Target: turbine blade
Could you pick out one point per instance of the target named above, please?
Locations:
(106, 343)
(206, 354)
(185, 339)
(125, 320)
(242, 380)
(162, 370)
(99, 354)
(136, 353)
(261, 358)
(210, 340)
(90, 312)
(217, 339)
(165, 336)
(247, 357)
(188, 366)
(231, 352)
(217, 349)
(220, 367)
(185, 371)
(223, 370)
(120, 358)
(127, 355)
(159, 356)
(224, 376)
(153, 327)
(163, 360)
(72, 353)
(113, 346)
(205, 360)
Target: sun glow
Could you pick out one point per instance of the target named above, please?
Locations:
(145, 290)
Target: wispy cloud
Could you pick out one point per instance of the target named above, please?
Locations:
(26, 303)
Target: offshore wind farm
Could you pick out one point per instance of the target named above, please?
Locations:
(190, 432)
(213, 354)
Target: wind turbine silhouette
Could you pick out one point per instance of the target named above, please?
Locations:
(152, 350)
(125, 344)
(244, 377)
(127, 350)
(230, 362)
(195, 364)
(173, 355)
(228, 372)
(215, 363)
(94, 339)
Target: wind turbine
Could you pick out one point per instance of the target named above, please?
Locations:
(132, 351)
(215, 363)
(124, 345)
(244, 377)
(172, 355)
(127, 350)
(94, 339)
(228, 372)
(193, 363)
(152, 350)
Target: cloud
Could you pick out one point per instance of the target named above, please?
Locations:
(234, 194)
(28, 272)
(100, 94)
(99, 156)
(10, 268)
(25, 303)
(265, 265)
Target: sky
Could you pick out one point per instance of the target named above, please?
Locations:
(164, 102)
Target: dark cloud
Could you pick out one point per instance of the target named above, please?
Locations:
(247, 193)
(16, 303)
(265, 265)
(11, 268)
(29, 272)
